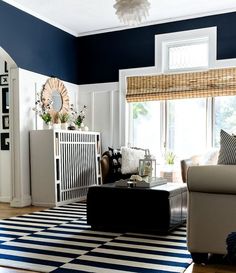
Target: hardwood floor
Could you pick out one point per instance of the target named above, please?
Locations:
(6, 211)
(193, 268)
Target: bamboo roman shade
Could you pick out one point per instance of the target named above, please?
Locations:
(211, 83)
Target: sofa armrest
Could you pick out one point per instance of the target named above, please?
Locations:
(212, 179)
(105, 168)
(186, 163)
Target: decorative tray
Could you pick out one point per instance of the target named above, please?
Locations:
(155, 181)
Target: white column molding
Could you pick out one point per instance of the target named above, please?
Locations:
(111, 119)
(92, 111)
(101, 102)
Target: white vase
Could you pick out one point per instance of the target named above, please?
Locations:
(64, 126)
(82, 126)
(47, 125)
(56, 126)
(78, 128)
(86, 128)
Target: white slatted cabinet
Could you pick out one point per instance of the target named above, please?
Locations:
(64, 164)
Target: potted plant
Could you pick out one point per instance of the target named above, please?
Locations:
(64, 118)
(42, 109)
(46, 117)
(80, 118)
(170, 158)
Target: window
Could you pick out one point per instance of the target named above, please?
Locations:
(224, 117)
(188, 56)
(145, 124)
(186, 126)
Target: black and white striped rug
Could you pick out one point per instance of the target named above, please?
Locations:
(59, 240)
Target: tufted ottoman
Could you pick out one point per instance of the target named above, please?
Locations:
(158, 209)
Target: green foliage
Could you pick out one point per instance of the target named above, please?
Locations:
(225, 117)
(170, 158)
(139, 108)
(79, 120)
(46, 117)
(64, 117)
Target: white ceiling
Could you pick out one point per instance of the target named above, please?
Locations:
(83, 17)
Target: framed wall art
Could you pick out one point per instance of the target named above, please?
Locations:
(5, 67)
(5, 141)
(4, 80)
(5, 100)
(5, 122)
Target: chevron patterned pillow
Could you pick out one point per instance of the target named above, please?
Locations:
(227, 154)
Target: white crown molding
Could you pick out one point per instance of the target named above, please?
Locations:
(74, 33)
(35, 14)
(168, 20)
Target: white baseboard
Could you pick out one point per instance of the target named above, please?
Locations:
(5, 199)
(41, 204)
(19, 203)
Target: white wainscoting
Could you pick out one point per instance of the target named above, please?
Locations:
(5, 155)
(102, 114)
(26, 85)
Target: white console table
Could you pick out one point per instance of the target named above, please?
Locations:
(64, 164)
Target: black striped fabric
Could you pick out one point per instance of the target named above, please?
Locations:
(227, 153)
(59, 240)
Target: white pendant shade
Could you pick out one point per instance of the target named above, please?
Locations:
(132, 12)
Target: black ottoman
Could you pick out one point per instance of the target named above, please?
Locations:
(158, 209)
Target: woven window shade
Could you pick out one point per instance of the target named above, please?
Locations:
(211, 83)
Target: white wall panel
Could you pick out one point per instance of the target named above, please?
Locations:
(115, 109)
(102, 115)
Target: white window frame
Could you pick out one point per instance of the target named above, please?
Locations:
(164, 41)
(162, 44)
(166, 50)
(158, 68)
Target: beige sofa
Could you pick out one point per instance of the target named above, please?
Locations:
(211, 209)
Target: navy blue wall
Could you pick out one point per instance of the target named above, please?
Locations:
(102, 55)
(37, 46)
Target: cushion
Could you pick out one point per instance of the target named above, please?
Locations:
(227, 154)
(115, 163)
(130, 160)
(210, 158)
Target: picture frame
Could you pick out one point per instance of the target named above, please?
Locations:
(5, 67)
(5, 141)
(5, 100)
(4, 80)
(5, 122)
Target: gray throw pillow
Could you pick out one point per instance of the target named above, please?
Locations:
(227, 154)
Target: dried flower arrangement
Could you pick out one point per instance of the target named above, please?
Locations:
(43, 109)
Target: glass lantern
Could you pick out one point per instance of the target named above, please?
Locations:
(147, 166)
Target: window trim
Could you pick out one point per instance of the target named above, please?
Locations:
(179, 43)
(162, 43)
(157, 69)
(180, 37)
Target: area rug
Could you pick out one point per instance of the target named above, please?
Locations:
(59, 240)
